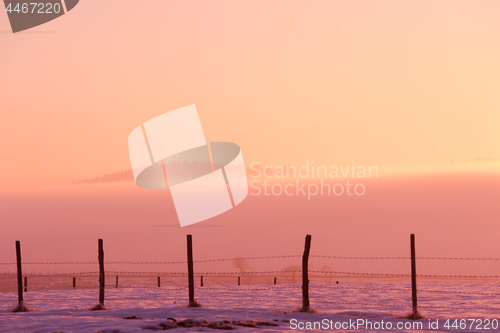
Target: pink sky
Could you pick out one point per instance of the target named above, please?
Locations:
(452, 216)
(408, 87)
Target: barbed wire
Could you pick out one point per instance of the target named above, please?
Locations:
(310, 271)
(246, 288)
(399, 258)
(52, 263)
(459, 276)
(312, 286)
(458, 308)
(278, 273)
(55, 274)
(366, 304)
(153, 273)
(161, 299)
(235, 288)
(405, 306)
(458, 292)
(157, 299)
(91, 299)
(238, 288)
(204, 273)
(133, 299)
(93, 262)
(407, 275)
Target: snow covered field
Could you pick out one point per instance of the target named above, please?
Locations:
(370, 299)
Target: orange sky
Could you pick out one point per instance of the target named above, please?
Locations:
(385, 83)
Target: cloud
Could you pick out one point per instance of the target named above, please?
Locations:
(120, 176)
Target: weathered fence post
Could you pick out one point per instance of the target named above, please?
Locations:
(275, 280)
(192, 303)
(116, 282)
(305, 275)
(413, 278)
(158, 282)
(74, 282)
(238, 280)
(19, 277)
(25, 284)
(201, 280)
(101, 273)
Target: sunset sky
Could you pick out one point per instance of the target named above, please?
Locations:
(409, 86)
(385, 83)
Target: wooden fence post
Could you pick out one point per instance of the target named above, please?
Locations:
(116, 282)
(238, 280)
(201, 280)
(413, 278)
(275, 280)
(25, 284)
(19, 276)
(101, 273)
(305, 275)
(74, 282)
(158, 282)
(192, 303)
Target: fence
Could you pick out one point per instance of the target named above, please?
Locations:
(272, 276)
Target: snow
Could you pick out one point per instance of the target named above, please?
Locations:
(66, 310)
